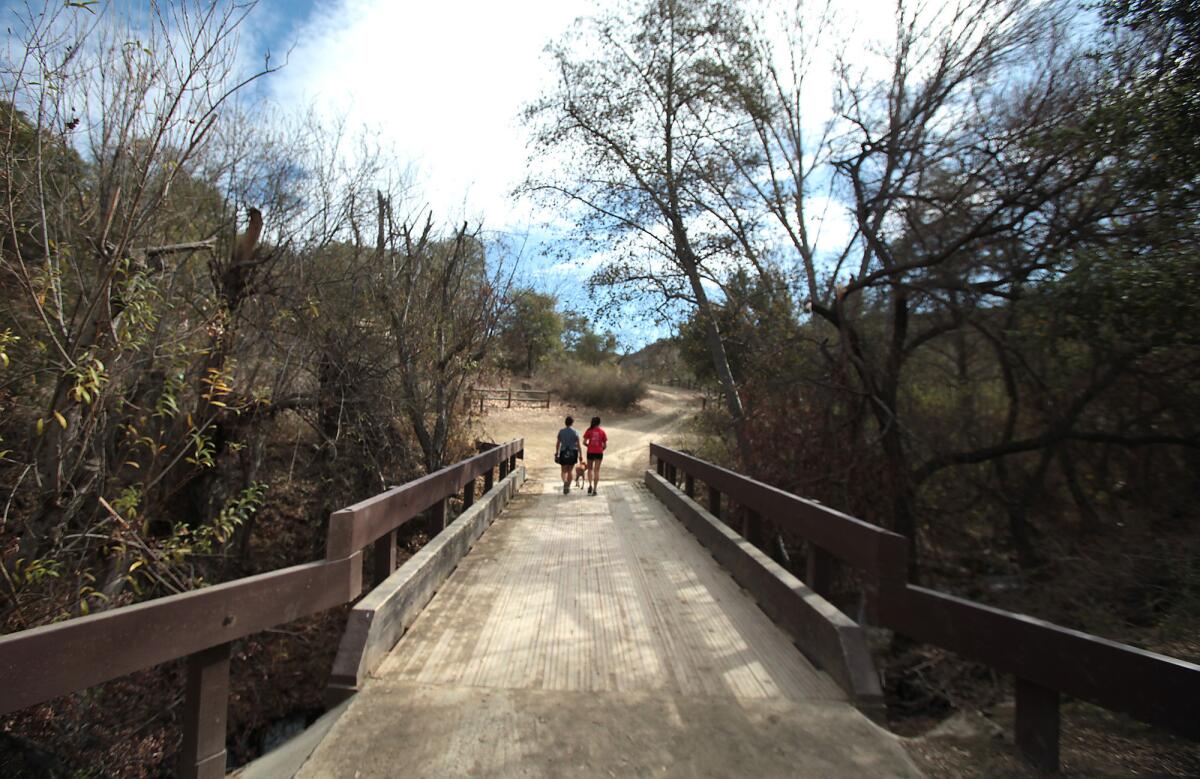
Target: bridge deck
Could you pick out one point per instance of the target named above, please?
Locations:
(594, 636)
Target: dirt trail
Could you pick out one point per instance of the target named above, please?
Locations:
(660, 414)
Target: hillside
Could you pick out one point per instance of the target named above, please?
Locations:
(659, 361)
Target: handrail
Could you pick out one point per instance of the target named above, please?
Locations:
(1047, 659)
(867, 546)
(354, 527)
(1152, 687)
(45, 662)
(42, 663)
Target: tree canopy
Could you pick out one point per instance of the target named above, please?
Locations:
(1015, 234)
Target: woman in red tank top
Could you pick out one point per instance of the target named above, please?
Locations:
(596, 441)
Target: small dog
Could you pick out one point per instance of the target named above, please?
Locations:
(580, 472)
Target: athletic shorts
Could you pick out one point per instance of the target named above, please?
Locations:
(597, 456)
(569, 459)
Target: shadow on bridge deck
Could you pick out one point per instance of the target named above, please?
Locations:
(594, 636)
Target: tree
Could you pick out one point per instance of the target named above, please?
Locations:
(628, 127)
(1155, 79)
(444, 305)
(531, 330)
(101, 267)
(977, 167)
(957, 197)
(584, 343)
(760, 330)
(977, 184)
(188, 289)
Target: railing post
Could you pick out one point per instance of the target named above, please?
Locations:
(661, 468)
(1037, 725)
(752, 529)
(887, 589)
(512, 463)
(714, 501)
(385, 556)
(672, 476)
(689, 485)
(481, 396)
(469, 495)
(489, 479)
(510, 397)
(437, 516)
(817, 575)
(504, 468)
(205, 706)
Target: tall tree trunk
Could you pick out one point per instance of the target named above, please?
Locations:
(712, 338)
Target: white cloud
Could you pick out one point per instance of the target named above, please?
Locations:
(442, 82)
(445, 82)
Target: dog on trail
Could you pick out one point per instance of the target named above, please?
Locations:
(580, 472)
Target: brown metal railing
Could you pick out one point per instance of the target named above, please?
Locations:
(1047, 660)
(43, 663)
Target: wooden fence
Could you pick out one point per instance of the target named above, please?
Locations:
(43, 663)
(683, 383)
(480, 395)
(1047, 660)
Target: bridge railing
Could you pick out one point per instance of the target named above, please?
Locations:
(376, 520)
(1047, 660)
(43, 663)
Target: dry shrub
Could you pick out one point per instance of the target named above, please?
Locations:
(598, 386)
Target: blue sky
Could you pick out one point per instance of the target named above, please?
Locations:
(281, 20)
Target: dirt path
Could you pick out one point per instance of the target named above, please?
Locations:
(660, 414)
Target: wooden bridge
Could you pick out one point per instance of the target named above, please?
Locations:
(630, 633)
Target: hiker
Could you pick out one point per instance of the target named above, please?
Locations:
(597, 441)
(566, 452)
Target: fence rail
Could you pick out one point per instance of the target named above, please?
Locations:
(42, 663)
(684, 383)
(1046, 659)
(508, 395)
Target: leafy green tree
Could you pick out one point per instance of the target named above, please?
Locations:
(1154, 69)
(595, 348)
(585, 344)
(531, 329)
(760, 327)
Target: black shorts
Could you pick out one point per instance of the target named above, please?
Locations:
(597, 456)
(567, 460)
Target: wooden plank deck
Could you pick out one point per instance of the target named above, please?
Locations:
(594, 636)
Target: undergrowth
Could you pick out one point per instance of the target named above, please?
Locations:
(597, 386)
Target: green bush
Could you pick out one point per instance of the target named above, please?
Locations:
(599, 386)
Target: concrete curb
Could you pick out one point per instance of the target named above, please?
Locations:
(826, 636)
(378, 621)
